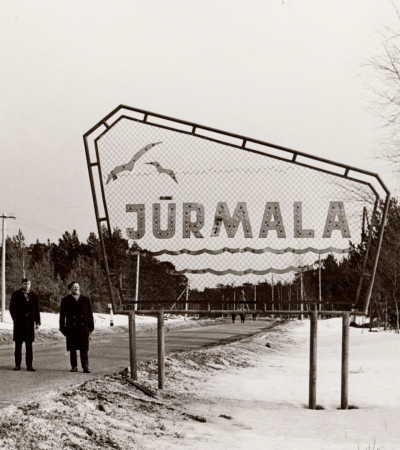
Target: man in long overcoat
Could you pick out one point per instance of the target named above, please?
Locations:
(24, 310)
(76, 324)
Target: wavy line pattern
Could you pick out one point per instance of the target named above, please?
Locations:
(240, 272)
(243, 250)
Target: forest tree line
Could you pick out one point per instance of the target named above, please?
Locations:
(51, 266)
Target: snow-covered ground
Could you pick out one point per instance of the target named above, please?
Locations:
(48, 331)
(50, 320)
(252, 393)
(269, 401)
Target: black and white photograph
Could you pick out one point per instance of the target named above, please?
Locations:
(200, 224)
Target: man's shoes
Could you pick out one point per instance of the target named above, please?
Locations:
(30, 369)
(86, 370)
(74, 369)
(17, 368)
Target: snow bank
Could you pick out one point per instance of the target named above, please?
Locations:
(50, 320)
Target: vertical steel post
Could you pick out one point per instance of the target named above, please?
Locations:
(301, 296)
(161, 349)
(137, 282)
(98, 221)
(369, 239)
(320, 284)
(272, 293)
(378, 250)
(187, 298)
(132, 344)
(345, 361)
(312, 398)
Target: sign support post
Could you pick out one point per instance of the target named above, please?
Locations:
(137, 281)
(132, 344)
(312, 402)
(345, 361)
(161, 349)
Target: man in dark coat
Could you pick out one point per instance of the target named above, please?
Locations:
(24, 310)
(76, 324)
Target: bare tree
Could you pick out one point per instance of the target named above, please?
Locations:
(384, 81)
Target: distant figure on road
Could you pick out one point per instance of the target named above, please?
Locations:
(242, 318)
(24, 310)
(254, 316)
(76, 324)
(233, 318)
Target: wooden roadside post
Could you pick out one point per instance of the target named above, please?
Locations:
(345, 361)
(132, 344)
(161, 349)
(312, 398)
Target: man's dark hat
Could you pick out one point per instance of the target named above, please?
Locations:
(71, 284)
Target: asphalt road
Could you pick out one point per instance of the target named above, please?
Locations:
(106, 355)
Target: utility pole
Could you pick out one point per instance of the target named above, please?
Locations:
(187, 298)
(23, 259)
(4, 216)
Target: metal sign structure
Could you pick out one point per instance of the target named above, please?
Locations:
(218, 206)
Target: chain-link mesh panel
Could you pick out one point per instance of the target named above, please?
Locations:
(259, 212)
(217, 212)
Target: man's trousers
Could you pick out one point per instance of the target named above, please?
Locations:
(84, 359)
(28, 353)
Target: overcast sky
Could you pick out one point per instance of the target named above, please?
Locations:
(285, 72)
